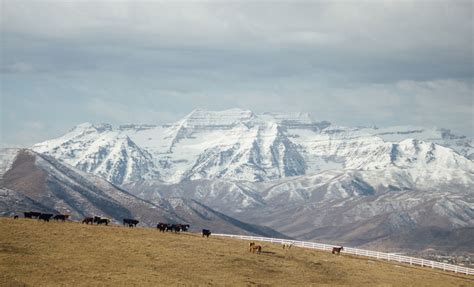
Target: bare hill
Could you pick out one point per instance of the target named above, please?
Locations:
(34, 253)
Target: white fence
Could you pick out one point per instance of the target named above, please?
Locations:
(361, 252)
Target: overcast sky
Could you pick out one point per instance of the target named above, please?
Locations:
(350, 62)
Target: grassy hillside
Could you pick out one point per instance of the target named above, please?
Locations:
(36, 253)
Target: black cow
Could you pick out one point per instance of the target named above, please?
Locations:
(130, 222)
(176, 227)
(32, 214)
(97, 219)
(184, 227)
(15, 216)
(206, 232)
(105, 221)
(161, 226)
(45, 216)
(35, 214)
(169, 227)
(61, 217)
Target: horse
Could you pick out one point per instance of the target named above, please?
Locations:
(206, 232)
(255, 247)
(88, 220)
(337, 250)
(288, 245)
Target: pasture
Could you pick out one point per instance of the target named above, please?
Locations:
(36, 253)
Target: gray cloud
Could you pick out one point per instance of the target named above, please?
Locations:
(383, 63)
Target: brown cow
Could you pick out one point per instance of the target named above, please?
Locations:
(88, 220)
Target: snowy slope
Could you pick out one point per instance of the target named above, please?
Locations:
(102, 151)
(41, 183)
(7, 156)
(241, 145)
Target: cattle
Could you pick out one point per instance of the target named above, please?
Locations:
(45, 216)
(15, 216)
(35, 214)
(32, 214)
(88, 220)
(172, 227)
(184, 227)
(97, 218)
(161, 226)
(206, 232)
(176, 227)
(61, 217)
(105, 221)
(130, 222)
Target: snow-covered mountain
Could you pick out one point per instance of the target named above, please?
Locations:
(305, 178)
(241, 145)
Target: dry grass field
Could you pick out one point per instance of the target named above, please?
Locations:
(34, 253)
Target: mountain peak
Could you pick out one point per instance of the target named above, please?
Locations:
(101, 127)
(200, 117)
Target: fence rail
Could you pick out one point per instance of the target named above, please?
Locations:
(361, 252)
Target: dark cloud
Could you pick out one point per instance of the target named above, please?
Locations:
(379, 62)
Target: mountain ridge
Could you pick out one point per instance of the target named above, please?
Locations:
(237, 145)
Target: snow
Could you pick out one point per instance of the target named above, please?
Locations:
(7, 156)
(241, 145)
